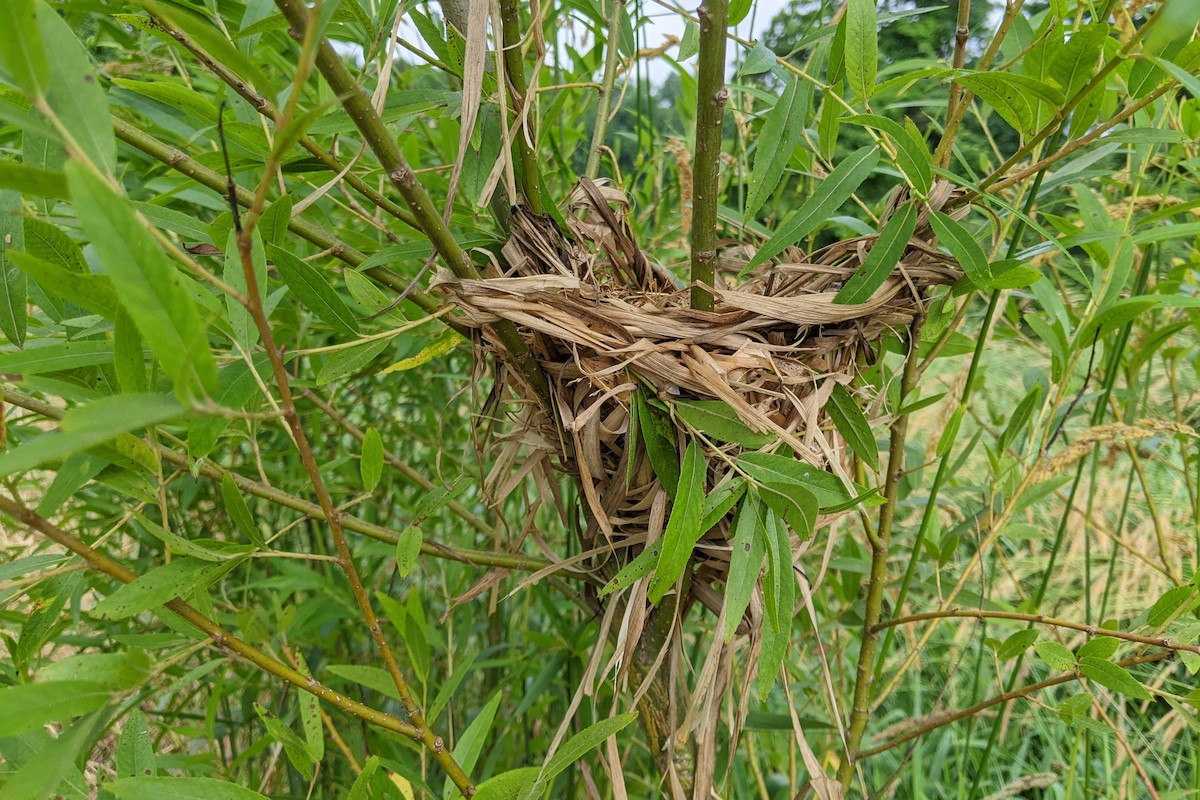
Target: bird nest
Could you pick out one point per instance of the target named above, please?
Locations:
(614, 333)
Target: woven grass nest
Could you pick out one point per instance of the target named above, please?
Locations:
(604, 319)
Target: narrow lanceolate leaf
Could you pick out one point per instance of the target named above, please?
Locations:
(92, 292)
(87, 426)
(577, 747)
(135, 749)
(149, 286)
(780, 134)
(21, 49)
(772, 468)
(836, 189)
(371, 465)
(239, 512)
(1113, 676)
(779, 589)
(962, 246)
(245, 332)
(1074, 64)
(55, 357)
(683, 528)
(949, 434)
(27, 707)
(160, 586)
(862, 47)
(641, 566)
(1054, 654)
(885, 254)
(12, 280)
(74, 92)
(313, 289)
(440, 346)
(408, 549)
(148, 787)
(745, 560)
(912, 156)
(717, 419)
(470, 743)
(852, 424)
(738, 9)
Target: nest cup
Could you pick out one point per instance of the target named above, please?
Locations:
(613, 330)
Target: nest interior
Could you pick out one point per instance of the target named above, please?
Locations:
(606, 322)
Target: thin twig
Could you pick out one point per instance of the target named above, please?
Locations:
(605, 90)
(1023, 691)
(1041, 619)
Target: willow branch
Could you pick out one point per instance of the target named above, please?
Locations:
(514, 70)
(264, 106)
(207, 469)
(358, 106)
(1041, 619)
(860, 709)
(1023, 691)
(711, 96)
(211, 179)
(220, 637)
(396, 462)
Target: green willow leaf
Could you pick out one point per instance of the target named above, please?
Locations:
(33, 181)
(55, 357)
(862, 46)
(882, 259)
(408, 549)
(314, 290)
(745, 560)
(683, 527)
(12, 280)
(1016, 644)
(578, 746)
(1113, 676)
(92, 292)
(782, 470)
(1057, 656)
(715, 418)
(912, 156)
(87, 426)
(27, 707)
(962, 246)
(74, 92)
(836, 189)
(641, 566)
(852, 424)
(160, 586)
(149, 286)
(658, 435)
(510, 785)
(21, 49)
(1004, 97)
(135, 749)
(780, 135)
(370, 466)
(470, 743)
(738, 9)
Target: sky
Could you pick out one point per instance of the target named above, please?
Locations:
(665, 22)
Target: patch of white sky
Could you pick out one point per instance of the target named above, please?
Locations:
(662, 20)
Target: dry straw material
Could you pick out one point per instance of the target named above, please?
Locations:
(608, 324)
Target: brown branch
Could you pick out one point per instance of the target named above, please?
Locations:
(220, 637)
(1023, 691)
(1041, 619)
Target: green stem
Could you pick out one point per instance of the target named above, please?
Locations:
(604, 99)
(711, 96)
(514, 69)
(860, 710)
(211, 179)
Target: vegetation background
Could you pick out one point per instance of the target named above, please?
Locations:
(252, 537)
